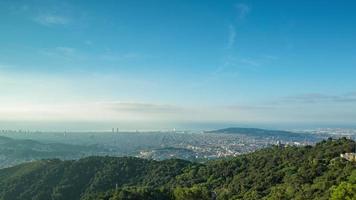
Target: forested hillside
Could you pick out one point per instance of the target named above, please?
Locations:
(273, 173)
(17, 151)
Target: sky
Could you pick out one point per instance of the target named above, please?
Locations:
(151, 64)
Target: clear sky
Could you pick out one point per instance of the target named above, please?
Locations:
(153, 64)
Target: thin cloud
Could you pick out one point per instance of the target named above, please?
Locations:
(111, 56)
(94, 111)
(231, 36)
(351, 94)
(66, 50)
(249, 107)
(52, 19)
(63, 52)
(2, 66)
(49, 13)
(143, 108)
(232, 65)
(322, 98)
(252, 62)
(242, 10)
(88, 42)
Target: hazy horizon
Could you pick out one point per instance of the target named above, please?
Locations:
(158, 126)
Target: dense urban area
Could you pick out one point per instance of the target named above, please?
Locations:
(24, 146)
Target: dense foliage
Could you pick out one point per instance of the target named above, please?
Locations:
(16, 151)
(274, 173)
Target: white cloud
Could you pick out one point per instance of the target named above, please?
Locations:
(91, 111)
(148, 113)
(109, 98)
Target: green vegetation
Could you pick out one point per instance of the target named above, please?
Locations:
(346, 190)
(16, 151)
(275, 173)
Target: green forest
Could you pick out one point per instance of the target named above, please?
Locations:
(274, 173)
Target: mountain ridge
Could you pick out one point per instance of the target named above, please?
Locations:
(17, 151)
(259, 132)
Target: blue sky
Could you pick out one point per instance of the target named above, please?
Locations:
(158, 64)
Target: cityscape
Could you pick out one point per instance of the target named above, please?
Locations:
(189, 145)
(177, 100)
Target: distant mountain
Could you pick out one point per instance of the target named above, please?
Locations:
(256, 132)
(16, 151)
(250, 131)
(273, 173)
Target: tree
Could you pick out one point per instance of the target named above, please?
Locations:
(344, 191)
(193, 193)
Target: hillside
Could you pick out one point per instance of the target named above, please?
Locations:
(272, 173)
(254, 131)
(17, 151)
(257, 132)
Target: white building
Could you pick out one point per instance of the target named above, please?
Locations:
(349, 156)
